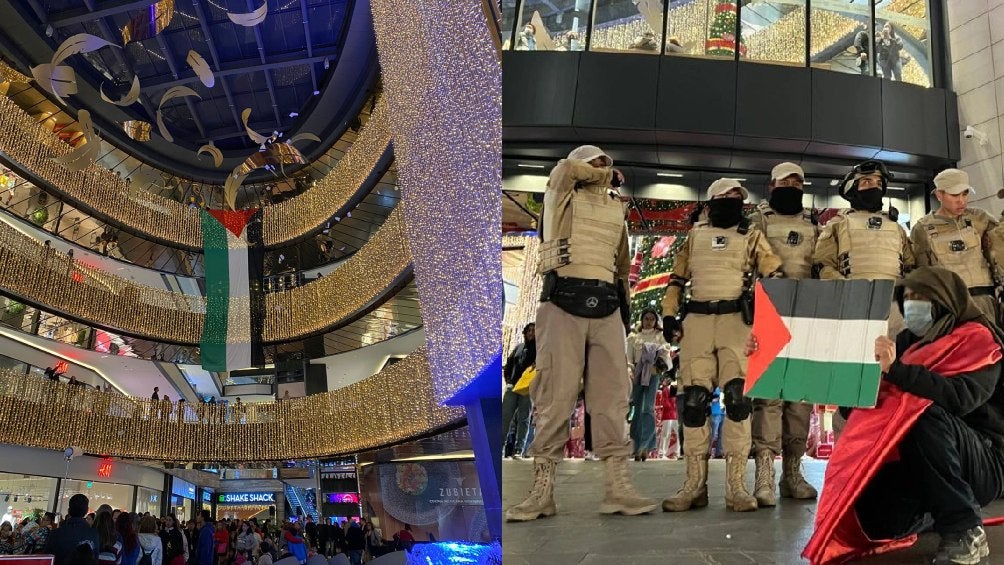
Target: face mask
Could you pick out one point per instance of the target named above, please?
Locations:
(869, 200)
(725, 212)
(919, 316)
(786, 200)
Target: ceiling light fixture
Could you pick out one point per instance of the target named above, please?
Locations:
(807, 183)
(526, 166)
(671, 175)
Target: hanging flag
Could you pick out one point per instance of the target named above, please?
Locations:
(235, 303)
(816, 340)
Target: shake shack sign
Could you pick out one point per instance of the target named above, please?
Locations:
(246, 498)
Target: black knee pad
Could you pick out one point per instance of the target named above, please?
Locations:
(737, 406)
(696, 406)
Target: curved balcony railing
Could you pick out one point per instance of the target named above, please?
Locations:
(389, 407)
(42, 276)
(34, 146)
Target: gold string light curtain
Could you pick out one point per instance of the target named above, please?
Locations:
(39, 274)
(392, 406)
(34, 145)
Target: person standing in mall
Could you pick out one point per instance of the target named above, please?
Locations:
(517, 406)
(206, 548)
(72, 532)
(781, 427)
(864, 242)
(648, 357)
(958, 238)
(721, 259)
(585, 262)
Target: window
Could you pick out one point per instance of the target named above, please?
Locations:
(508, 21)
(773, 32)
(841, 40)
(627, 25)
(552, 25)
(115, 495)
(902, 41)
(703, 28)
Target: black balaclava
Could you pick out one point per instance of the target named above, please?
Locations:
(786, 200)
(725, 212)
(868, 200)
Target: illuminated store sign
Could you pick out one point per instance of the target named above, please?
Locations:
(181, 488)
(342, 498)
(246, 498)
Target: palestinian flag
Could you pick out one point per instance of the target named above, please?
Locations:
(235, 303)
(817, 340)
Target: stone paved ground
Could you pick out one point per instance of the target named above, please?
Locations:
(578, 534)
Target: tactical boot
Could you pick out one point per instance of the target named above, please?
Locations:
(793, 484)
(540, 502)
(694, 493)
(621, 496)
(736, 496)
(763, 490)
(968, 548)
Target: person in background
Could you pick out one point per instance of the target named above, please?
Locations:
(221, 537)
(126, 530)
(11, 543)
(890, 53)
(310, 530)
(206, 548)
(667, 399)
(156, 393)
(40, 535)
(149, 542)
(72, 532)
(862, 45)
(648, 357)
(109, 541)
(246, 538)
(90, 519)
(173, 542)
(295, 543)
(517, 406)
(355, 540)
(717, 418)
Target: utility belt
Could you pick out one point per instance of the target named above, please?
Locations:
(743, 305)
(718, 307)
(587, 298)
(982, 291)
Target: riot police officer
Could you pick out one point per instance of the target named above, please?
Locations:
(957, 238)
(585, 262)
(720, 260)
(864, 242)
(781, 427)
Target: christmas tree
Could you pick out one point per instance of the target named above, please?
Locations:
(722, 32)
(654, 262)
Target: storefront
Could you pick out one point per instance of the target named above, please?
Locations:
(245, 505)
(206, 500)
(31, 483)
(182, 499)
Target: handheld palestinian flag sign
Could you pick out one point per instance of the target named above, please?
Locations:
(235, 303)
(816, 340)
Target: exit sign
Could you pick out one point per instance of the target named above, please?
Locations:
(105, 468)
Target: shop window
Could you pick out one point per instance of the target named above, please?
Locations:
(627, 25)
(703, 28)
(773, 32)
(903, 41)
(552, 25)
(842, 39)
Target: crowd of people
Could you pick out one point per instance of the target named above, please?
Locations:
(948, 273)
(114, 537)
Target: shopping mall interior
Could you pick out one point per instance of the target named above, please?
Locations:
(680, 93)
(250, 269)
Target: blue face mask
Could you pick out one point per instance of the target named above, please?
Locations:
(919, 316)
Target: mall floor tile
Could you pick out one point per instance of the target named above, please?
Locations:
(710, 536)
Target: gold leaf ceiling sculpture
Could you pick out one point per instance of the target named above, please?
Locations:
(250, 19)
(59, 79)
(149, 22)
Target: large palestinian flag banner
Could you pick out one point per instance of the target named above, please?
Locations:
(816, 340)
(235, 303)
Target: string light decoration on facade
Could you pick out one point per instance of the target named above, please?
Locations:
(34, 145)
(41, 275)
(443, 78)
(387, 408)
(530, 284)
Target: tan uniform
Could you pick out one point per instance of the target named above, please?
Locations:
(963, 245)
(865, 245)
(584, 237)
(715, 261)
(778, 424)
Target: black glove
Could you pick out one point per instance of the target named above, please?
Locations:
(625, 305)
(670, 326)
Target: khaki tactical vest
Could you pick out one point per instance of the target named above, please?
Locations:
(719, 258)
(792, 238)
(957, 246)
(869, 245)
(586, 233)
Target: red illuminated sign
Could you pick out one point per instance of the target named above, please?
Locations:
(62, 366)
(105, 468)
